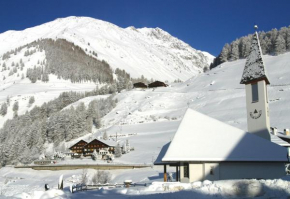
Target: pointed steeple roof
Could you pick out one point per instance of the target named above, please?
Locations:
(254, 69)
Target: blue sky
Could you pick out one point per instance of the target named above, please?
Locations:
(205, 24)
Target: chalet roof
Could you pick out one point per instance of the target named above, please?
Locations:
(201, 138)
(107, 142)
(139, 83)
(254, 69)
(78, 142)
(156, 82)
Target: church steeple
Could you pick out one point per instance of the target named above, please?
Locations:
(255, 79)
(254, 69)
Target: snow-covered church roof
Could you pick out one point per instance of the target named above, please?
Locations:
(254, 69)
(202, 138)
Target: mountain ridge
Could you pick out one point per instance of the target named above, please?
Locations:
(143, 51)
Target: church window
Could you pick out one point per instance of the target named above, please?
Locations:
(186, 170)
(255, 93)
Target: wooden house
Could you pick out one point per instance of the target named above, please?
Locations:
(140, 85)
(99, 145)
(157, 84)
(78, 147)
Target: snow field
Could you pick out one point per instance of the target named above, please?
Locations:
(223, 100)
(34, 186)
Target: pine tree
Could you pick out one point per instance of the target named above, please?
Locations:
(234, 51)
(15, 107)
(3, 109)
(118, 151)
(245, 46)
(224, 56)
(280, 45)
(273, 36)
(288, 39)
(31, 100)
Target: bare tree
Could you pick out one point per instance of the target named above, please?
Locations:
(101, 177)
(84, 176)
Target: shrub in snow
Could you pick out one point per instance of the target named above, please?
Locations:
(248, 188)
(153, 117)
(207, 182)
(196, 184)
(101, 177)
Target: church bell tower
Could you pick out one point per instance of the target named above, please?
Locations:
(256, 81)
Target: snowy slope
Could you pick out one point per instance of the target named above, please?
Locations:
(217, 93)
(153, 117)
(146, 51)
(155, 114)
(21, 89)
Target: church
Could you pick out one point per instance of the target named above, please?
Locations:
(204, 148)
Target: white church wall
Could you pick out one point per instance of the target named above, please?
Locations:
(196, 172)
(249, 170)
(258, 123)
(233, 170)
(211, 171)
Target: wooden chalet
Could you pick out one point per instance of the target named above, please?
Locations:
(78, 147)
(140, 85)
(157, 84)
(98, 145)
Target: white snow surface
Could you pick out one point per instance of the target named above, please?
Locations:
(149, 119)
(145, 51)
(202, 134)
(224, 100)
(26, 183)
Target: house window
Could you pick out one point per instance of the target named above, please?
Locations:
(186, 170)
(255, 93)
(211, 171)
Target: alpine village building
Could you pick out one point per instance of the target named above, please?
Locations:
(87, 148)
(204, 148)
(78, 147)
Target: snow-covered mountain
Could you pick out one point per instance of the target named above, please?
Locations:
(217, 93)
(151, 52)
